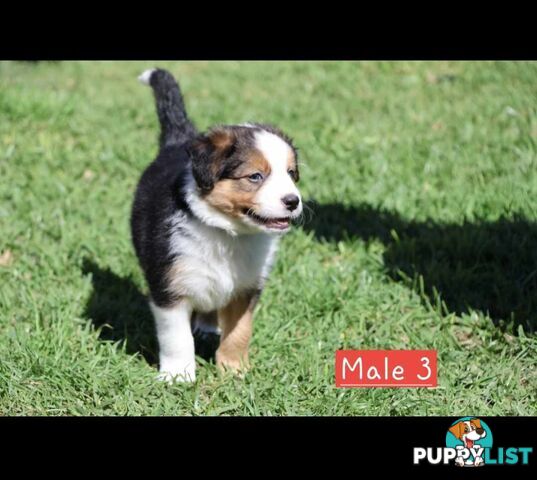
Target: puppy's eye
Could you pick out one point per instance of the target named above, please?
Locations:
(292, 173)
(255, 177)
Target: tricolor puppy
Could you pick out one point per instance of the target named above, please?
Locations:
(468, 432)
(206, 220)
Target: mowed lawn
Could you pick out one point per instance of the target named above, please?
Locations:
(421, 233)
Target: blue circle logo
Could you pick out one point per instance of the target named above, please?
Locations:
(470, 436)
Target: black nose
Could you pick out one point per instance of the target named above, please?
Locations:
(291, 201)
(479, 431)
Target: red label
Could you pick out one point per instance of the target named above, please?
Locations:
(386, 368)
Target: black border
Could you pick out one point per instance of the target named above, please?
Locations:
(354, 444)
(269, 32)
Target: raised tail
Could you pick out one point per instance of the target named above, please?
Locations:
(175, 127)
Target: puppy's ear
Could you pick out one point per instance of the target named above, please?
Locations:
(200, 151)
(457, 430)
(208, 153)
(476, 422)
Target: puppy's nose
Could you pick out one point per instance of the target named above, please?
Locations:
(291, 201)
(479, 431)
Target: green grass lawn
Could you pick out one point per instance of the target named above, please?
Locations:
(422, 183)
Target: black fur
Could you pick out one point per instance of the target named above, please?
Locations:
(217, 154)
(176, 128)
(160, 192)
(205, 154)
(159, 195)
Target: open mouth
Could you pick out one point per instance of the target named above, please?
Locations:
(469, 443)
(274, 223)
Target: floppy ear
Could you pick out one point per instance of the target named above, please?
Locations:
(208, 153)
(457, 430)
(476, 422)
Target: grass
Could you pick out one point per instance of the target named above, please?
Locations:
(422, 178)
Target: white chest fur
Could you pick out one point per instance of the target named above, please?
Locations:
(212, 266)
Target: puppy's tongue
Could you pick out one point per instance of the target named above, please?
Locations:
(469, 443)
(279, 223)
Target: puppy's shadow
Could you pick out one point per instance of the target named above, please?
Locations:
(121, 313)
(490, 266)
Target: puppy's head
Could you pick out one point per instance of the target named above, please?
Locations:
(248, 175)
(468, 431)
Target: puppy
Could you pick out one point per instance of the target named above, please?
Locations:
(205, 222)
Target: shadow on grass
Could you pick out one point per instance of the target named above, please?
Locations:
(121, 312)
(485, 266)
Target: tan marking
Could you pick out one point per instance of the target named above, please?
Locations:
(234, 195)
(235, 320)
(175, 278)
(292, 163)
(256, 162)
(221, 138)
(217, 141)
(291, 160)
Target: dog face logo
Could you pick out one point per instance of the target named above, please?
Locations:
(469, 436)
(469, 444)
(468, 431)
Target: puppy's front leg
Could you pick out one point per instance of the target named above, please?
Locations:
(176, 343)
(236, 323)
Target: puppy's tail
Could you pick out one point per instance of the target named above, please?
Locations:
(175, 127)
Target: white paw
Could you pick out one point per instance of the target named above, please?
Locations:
(180, 372)
(459, 462)
(479, 461)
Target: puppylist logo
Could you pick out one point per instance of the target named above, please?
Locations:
(469, 444)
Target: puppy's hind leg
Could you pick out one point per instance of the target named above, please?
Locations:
(236, 322)
(176, 343)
